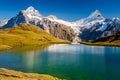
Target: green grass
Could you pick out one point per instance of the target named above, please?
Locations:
(26, 35)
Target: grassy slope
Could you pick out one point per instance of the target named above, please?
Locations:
(14, 75)
(113, 40)
(26, 35)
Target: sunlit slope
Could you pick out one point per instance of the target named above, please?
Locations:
(26, 35)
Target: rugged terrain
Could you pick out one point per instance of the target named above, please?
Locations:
(49, 24)
(93, 27)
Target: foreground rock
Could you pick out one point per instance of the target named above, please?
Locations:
(6, 74)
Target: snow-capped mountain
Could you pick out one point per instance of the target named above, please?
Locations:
(93, 27)
(105, 28)
(30, 15)
(96, 26)
(95, 16)
(92, 19)
(33, 14)
(85, 23)
(89, 21)
(50, 24)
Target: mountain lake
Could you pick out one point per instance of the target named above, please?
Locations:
(65, 61)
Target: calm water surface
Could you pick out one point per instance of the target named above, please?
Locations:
(71, 62)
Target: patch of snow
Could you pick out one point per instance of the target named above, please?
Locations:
(103, 28)
(95, 15)
(73, 25)
(32, 13)
(3, 22)
(34, 17)
(54, 18)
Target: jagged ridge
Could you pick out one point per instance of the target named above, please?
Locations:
(93, 27)
(49, 24)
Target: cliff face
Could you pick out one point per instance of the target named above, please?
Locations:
(59, 30)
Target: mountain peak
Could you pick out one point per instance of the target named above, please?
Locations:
(96, 14)
(52, 17)
(97, 11)
(31, 12)
(31, 8)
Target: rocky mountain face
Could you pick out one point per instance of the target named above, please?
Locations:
(93, 27)
(32, 16)
(99, 27)
(110, 39)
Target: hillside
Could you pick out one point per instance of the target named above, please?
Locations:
(113, 40)
(26, 35)
(14, 75)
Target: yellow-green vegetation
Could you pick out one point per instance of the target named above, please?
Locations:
(26, 35)
(6, 74)
(4, 47)
(113, 40)
(30, 48)
(101, 44)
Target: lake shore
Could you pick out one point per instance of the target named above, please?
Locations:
(101, 44)
(6, 74)
(7, 47)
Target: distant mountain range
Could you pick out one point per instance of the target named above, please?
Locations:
(93, 27)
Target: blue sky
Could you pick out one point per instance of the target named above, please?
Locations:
(69, 10)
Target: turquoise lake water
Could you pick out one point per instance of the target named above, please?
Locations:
(71, 62)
